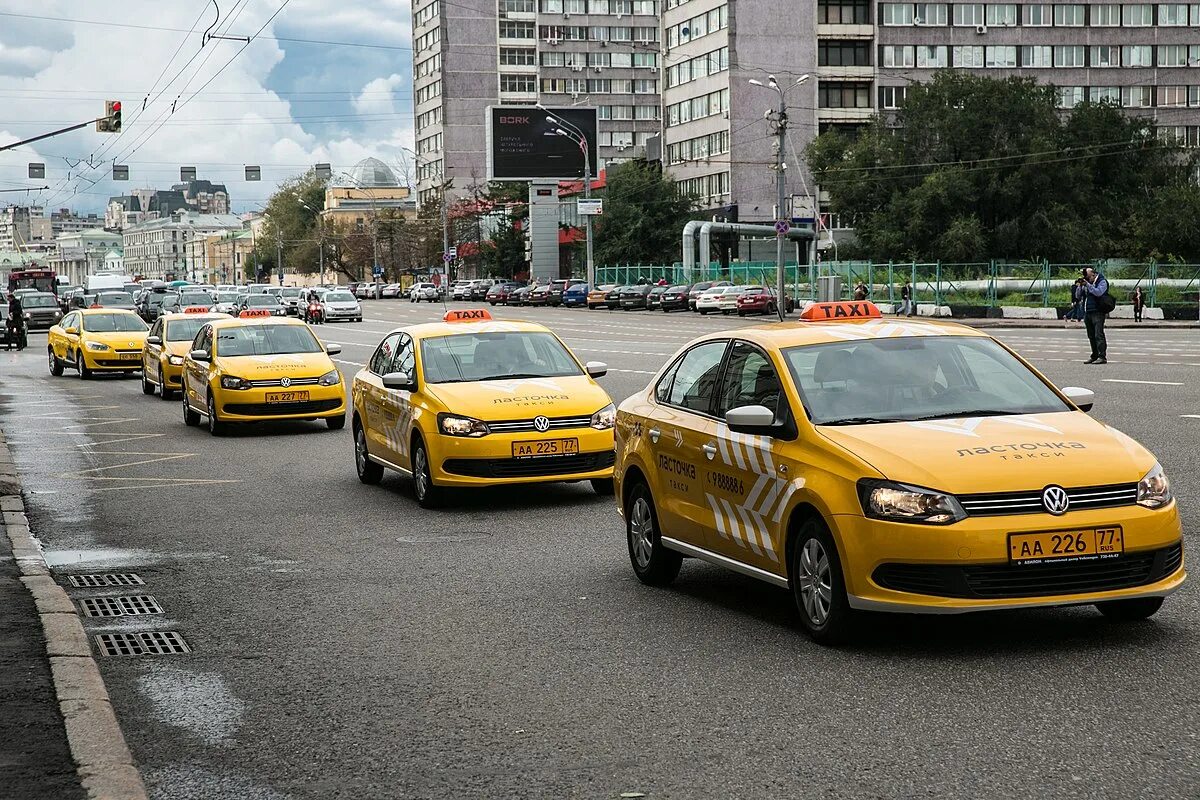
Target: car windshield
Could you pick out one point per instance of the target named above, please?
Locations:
(339, 297)
(261, 300)
(906, 379)
(159, 298)
(113, 298)
(227, 297)
(495, 356)
(111, 323)
(291, 291)
(39, 301)
(184, 330)
(266, 340)
(196, 299)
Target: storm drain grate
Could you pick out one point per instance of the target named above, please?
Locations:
(128, 606)
(111, 579)
(146, 643)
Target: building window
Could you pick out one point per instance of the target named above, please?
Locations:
(896, 14)
(1069, 16)
(518, 56)
(1001, 57)
(427, 40)
(1106, 15)
(932, 57)
(843, 53)
(968, 56)
(1070, 55)
(842, 12)
(423, 15)
(1001, 15)
(892, 97)
(1037, 15)
(1137, 16)
(1173, 96)
(968, 14)
(1037, 56)
(898, 55)
(1173, 14)
(1137, 55)
(426, 93)
(1106, 55)
(930, 14)
(1104, 94)
(1178, 55)
(1137, 96)
(844, 95)
(518, 83)
(510, 29)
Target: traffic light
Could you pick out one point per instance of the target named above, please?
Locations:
(111, 121)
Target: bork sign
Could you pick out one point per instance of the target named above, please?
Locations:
(524, 144)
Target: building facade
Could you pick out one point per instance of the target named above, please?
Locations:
(81, 253)
(204, 197)
(64, 220)
(476, 53)
(159, 248)
(25, 228)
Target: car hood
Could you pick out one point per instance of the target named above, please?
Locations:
(119, 340)
(293, 365)
(522, 398)
(997, 454)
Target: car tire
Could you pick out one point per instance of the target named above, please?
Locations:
(741, 313)
(368, 471)
(818, 586)
(602, 486)
(215, 426)
(81, 366)
(426, 493)
(191, 418)
(56, 366)
(703, 312)
(336, 423)
(653, 564)
(1133, 610)
(358, 319)
(147, 386)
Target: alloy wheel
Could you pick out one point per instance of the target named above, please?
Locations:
(641, 532)
(420, 477)
(816, 593)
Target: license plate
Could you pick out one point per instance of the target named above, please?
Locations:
(1089, 544)
(129, 356)
(545, 447)
(286, 397)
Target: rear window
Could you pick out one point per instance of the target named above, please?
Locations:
(339, 297)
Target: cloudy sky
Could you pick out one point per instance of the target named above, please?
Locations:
(326, 80)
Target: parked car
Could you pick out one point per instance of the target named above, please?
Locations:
(635, 297)
(556, 288)
(423, 291)
(500, 292)
(391, 290)
(654, 298)
(41, 310)
(519, 296)
(675, 298)
(480, 287)
(613, 298)
(597, 298)
(540, 295)
(459, 289)
(254, 302)
(700, 288)
(364, 291)
(339, 304)
(576, 294)
(759, 300)
(718, 298)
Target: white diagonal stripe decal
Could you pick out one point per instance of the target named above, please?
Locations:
(717, 515)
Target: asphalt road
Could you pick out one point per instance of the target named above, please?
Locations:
(347, 644)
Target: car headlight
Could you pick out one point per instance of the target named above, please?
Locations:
(453, 425)
(605, 418)
(230, 382)
(28, 315)
(331, 378)
(97, 346)
(1154, 490)
(900, 502)
(175, 361)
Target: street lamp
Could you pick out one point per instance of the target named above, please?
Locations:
(781, 121)
(576, 135)
(320, 237)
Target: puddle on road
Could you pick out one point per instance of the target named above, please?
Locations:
(108, 557)
(437, 538)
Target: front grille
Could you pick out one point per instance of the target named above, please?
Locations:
(526, 425)
(538, 466)
(279, 382)
(1030, 502)
(282, 409)
(118, 362)
(997, 581)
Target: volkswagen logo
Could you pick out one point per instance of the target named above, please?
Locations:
(285, 382)
(1055, 499)
(541, 424)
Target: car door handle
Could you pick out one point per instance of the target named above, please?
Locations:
(710, 450)
(654, 434)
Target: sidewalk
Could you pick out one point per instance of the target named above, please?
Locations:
(1110, 324)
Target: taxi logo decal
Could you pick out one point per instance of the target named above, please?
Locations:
(541, 424)
(836, 311)
(467, 315)
(285, 382)
(967, 427)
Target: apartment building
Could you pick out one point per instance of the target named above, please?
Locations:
(25, 228)
(476, 53)
(159, 248)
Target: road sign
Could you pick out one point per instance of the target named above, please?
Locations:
(253, 173)
(187, 174)
(589, 208)
(120, 172)
(37, 169)
(782, 227)
(453, 253)
(447, 257)
(377, 270)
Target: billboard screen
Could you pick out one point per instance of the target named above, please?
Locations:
(523, 146)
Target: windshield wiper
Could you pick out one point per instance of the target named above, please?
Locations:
(860, 421)
(974, 412)
(515, 375)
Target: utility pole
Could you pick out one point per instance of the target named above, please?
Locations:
(576, 134)
(446, 228)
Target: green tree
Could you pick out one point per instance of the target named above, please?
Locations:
(291, 226)
(643, 216)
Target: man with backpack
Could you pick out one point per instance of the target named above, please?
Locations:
(1097, 303)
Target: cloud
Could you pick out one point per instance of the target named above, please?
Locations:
(278, 104)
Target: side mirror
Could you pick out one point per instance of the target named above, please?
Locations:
(597, 369)
(200, 355)
(1084, 398)
(153, 340)
(333, 349)
(399, 380)
(72, 330)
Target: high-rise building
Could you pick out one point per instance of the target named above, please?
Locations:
(26, 229)
(475, 53)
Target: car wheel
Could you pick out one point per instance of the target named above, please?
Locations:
(818, 587)
(190, 418)
(741, 313)
(56, 366)
(358, 319)
(369, 472)
(428, 495)
(653, 563)
(81, 365)
(215, 426)
(703, 312)
(147, 386)
(602, 486)
(1133, 610)
(336, 423)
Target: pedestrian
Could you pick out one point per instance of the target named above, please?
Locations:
(1075, 314)
(906, 303)
(860, 291)
(16, 320)
(1139, 302)
(1097, 303)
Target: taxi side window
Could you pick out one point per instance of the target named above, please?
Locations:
(71, 321)
(203, 340)
(157, 328)
(385, 354)
(405, 356)
(751, 380)
(694, 380)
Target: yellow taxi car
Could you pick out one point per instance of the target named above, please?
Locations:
(92, 340)
(169, 340)
(470, 401)
(871, 464)
(258, 367)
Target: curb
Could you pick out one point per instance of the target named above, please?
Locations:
(102, 759)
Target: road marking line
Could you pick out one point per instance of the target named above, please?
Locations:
(351, 363)
(1151, 383)
(1191, 416)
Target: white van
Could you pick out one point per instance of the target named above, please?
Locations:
(98, 283)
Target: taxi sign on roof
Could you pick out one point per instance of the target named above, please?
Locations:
(196, 310)
(823, 312)
(255, 312)
(467, 315)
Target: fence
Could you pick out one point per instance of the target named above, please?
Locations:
(981, 284)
